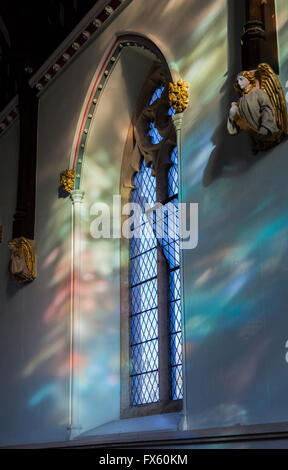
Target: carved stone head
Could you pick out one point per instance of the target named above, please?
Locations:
(244, 80)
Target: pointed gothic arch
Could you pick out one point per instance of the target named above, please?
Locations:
(158, 71)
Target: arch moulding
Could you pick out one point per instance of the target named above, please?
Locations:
(101, 77)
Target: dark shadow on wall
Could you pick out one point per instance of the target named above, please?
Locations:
(232, 155)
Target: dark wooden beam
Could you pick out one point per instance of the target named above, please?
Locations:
(24, 218)
(271, 43)
(254, 35)
(259, 41)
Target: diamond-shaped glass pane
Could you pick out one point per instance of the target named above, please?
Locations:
(156, 95)
(143, 267)
(175, 316)
(174, 285)
(176, 349)
(154, 134)
(172, 254)
(166, 229)
(171, 111)
(145, 388)
(176, 383)
(145, 187)
(166, 222)
(139, 246)
(144, 327)
(173, 174)
(144, 357)
(144, 297)
(174, 156)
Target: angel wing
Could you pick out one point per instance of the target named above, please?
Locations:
(270, 83)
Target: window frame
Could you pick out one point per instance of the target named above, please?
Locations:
(160, 161)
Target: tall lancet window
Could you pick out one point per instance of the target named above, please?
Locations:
(155, 336)
(144, 328)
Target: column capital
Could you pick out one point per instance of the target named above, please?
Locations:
(77, 196)
(177, 119)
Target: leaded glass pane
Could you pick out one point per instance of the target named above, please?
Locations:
(166, 226)
(144, 357)
(144, 327)
(174, 291)
(144, 297)
(158, 227)
(171, 111)
(176, 383)
(145, 388)
(143, 244)
(172, 253)
(173, 174)
(171, 249)
(145, 187)
(156, 95)
(176, 349)
(143, 267)
(175, 316)
(154, 134)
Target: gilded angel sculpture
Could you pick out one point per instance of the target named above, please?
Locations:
(22, 262)
(261, 109)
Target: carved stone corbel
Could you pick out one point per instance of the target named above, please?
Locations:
(22, 262)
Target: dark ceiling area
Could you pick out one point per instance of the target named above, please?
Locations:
(29, 32)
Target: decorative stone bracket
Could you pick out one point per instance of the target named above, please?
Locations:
(22, 262)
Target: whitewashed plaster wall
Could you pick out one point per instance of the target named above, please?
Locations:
(234, 281)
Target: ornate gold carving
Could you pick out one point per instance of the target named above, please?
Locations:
(22, 262)
(261, 110)
(178, 95)
(270, 83)
(67, 178)
(138, 144)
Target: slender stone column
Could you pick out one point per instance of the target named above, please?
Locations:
(74, 427)
(178, 119)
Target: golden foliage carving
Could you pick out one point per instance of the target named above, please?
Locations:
(270, 83)
(67, 178)
(178, 95)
